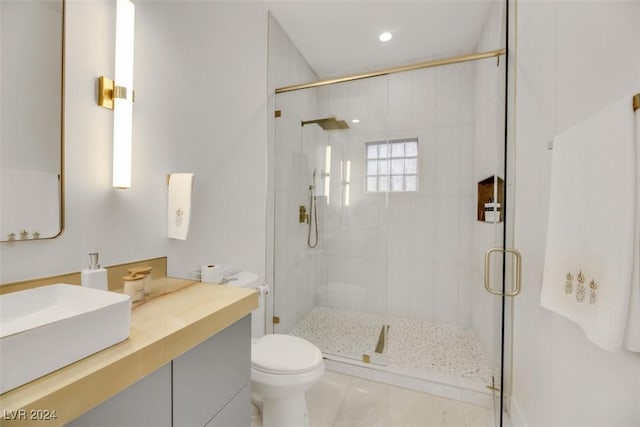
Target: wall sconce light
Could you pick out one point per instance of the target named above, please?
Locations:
(119, 96)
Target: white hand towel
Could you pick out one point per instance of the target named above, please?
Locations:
(179, 206)
(632, 339)
(592, 225)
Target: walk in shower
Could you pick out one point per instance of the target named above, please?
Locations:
(393, 288)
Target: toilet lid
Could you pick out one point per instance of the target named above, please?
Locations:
(284, 354)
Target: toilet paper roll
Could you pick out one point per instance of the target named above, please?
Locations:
(263, 290)
(212, 273)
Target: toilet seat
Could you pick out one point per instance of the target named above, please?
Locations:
(284, 355)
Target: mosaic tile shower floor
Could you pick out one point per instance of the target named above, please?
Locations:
(416, 347)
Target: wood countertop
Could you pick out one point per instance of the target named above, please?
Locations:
(176, 316)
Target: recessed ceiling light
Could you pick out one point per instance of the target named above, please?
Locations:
(385, 37)
(355, 121)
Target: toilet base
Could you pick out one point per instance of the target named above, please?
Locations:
(283, 368)
(290, 412)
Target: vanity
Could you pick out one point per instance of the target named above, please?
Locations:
(186, 363)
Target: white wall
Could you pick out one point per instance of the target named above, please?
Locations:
(574, 58)
(202, 76)
(200, 107)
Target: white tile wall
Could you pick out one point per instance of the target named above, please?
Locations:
(422, 239)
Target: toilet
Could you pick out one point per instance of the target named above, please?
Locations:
(283, 367)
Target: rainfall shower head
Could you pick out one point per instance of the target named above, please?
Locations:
(329, 123)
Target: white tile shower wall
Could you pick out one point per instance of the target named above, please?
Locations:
(406, 254)
(487, 161)
(293, 270)
(566, 72)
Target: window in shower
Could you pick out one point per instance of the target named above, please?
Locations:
(392, 165)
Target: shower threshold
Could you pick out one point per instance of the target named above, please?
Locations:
(431, 357)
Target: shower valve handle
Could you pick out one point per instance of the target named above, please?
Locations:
(304, 217)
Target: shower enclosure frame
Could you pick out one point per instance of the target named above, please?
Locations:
(501, 387)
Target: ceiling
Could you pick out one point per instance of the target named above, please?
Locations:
(339, 37)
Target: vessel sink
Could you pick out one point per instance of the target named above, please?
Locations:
(47, 328)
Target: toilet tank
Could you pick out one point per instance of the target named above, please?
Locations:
(246, 279)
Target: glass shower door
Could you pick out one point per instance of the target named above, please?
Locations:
(358, 250)
(502, 263)
(330, 290)
(396, 169)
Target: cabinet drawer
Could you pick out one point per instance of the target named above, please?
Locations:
(208, 376)
(237, 413)
(146, 403)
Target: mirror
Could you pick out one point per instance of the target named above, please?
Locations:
(31, 119)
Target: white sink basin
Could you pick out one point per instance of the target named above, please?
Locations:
(46, 328)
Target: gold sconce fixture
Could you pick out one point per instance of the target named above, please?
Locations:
(108, 91)
(120, 97)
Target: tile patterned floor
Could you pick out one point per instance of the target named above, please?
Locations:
(338, 400)
(419, 346)
(340, 332)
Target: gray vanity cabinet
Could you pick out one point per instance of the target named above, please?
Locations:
(208, 385)
(234, 411)
(147, 403)
(209, 376)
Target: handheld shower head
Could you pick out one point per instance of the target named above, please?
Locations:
(313, 179)
(313, 210)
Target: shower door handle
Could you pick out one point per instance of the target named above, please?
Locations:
(517, 272)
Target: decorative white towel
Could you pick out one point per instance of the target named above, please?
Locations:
(632, 340)
(591, 233)
(179, 206)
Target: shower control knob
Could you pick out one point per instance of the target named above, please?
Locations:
(303, 214)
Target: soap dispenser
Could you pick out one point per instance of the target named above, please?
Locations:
(94, 277)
